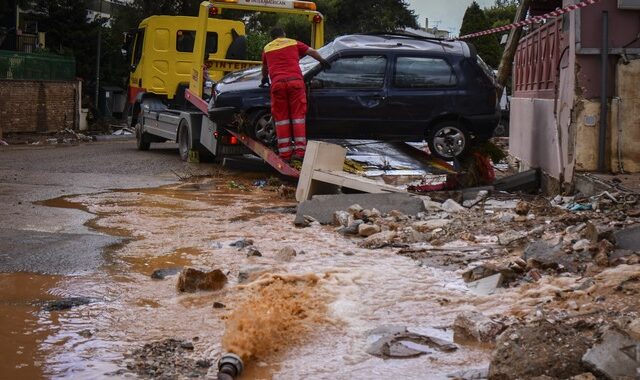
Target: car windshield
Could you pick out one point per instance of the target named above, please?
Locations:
(307, 63)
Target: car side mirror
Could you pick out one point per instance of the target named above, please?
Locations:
(315, 84)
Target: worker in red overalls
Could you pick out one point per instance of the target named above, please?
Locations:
(288, 94)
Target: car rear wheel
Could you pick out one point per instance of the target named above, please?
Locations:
(262, 128)
(184, 142)
(448, 140)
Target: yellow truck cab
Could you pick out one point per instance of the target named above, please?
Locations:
(173, 57)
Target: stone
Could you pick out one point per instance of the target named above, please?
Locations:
(379, 240)
(186, 345)
(399, 342)
(633, 329)
(341, 218)
(452, 206)
(616, 356)
(322, 207)
(218, 305)
(253, 252)
(476, 327)
(596, 233)
(355, 208)
(430, 205)
(602, 256)
(506, 217)
(367, 230)
(485, 286)
(470, 374)
(545, 255)
(522, 208)
(161, 274)
(66, 303)
(430, 224)
(628, 238)
(352, 229)
(249, 274)
(479, 272)
(286, 254)
(192, 279)
(523, 352)
(242, 243)
(581, 245)
(510, 236)
(583, 376)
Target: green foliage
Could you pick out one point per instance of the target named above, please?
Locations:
(255, 44)
(487, 46)
(502, 12)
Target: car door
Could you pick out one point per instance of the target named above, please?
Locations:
(349, 99)
(421, 88)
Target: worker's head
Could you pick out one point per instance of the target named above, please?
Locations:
(277, 32)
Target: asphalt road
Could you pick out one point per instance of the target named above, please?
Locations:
(52, 240)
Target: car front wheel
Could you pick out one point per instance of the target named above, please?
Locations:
(262, 128)
(448, 140)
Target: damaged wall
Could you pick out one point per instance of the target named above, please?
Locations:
(38, 106)
(625, 124)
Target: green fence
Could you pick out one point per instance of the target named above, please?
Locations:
(39, 66)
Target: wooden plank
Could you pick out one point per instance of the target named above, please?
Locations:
(266, 154)
(352, 181)
(319, 155)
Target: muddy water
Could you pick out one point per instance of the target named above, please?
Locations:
(194, 224)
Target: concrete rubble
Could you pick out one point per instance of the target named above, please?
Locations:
(504, 241)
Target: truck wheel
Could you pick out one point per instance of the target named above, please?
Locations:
(143, 140)
(184, 141)
(448, 140)
(261, 127)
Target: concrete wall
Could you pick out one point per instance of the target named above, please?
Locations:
(625, 119)
(38, 106)
(533, 138)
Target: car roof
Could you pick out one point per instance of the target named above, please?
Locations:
(404, 42)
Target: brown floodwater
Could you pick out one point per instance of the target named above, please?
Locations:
(194, 224)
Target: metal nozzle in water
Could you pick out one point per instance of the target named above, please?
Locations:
(229, 367)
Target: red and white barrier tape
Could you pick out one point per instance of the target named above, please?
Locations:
(531, 20)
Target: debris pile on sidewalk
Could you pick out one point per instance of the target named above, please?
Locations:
(575, 261)
(65, 136)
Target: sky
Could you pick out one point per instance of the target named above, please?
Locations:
(446, 14)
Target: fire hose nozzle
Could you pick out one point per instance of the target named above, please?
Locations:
(230, 367)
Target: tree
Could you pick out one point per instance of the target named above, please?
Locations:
(475, 20)
(502, 12)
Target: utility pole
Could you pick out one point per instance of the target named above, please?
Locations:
(506, 63)
(98, 54)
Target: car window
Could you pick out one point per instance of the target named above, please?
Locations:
(355, 72)
(137, 50)
(423, 72)
(185, 40)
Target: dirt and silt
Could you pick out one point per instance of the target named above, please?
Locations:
(308, 314)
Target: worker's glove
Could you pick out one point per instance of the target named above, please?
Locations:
(325, 64)
(265, 82)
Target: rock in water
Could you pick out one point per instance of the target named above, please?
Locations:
(474, 326)
(286, 254)
(66, 303)
(379, 240)
(161, 274)
(366, 230)
(192, 279)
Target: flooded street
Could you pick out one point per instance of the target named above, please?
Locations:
(193, 224)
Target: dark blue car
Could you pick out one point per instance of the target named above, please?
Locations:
(383, 87)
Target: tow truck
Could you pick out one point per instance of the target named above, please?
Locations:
(172, 59)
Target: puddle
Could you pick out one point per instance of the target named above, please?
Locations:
(194, 225)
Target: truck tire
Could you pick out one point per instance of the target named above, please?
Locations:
(184, 141)
(143, 140)
(448, 140)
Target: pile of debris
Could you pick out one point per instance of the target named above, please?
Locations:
(62, 137)
(527, 242)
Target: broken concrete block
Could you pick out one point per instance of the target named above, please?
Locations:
(379, 240)
(286, 254)
(322, 207)
(510, 236)
(452, 206)
(192, 279)
(617, 356)
(431, 224)
(475, 327)
(355, 208)
(430, 205)
(470, 374)
(341, 218)
(399, 342)
(596, 233)
(628, 238)
(351, 229)
(367, 230)
(544, 255)
(485, 286)
(581, 245)
(528, 181)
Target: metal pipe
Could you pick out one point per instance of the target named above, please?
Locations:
(230, 367)
(604, 61)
